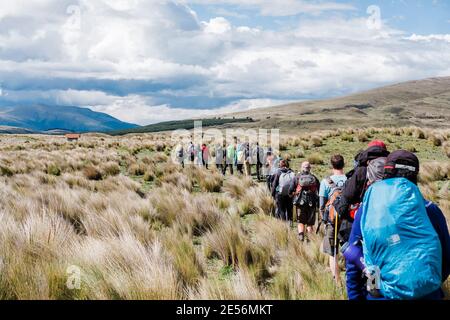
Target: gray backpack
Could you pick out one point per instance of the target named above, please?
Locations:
(286, 179)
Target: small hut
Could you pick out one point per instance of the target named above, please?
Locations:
(73, 137)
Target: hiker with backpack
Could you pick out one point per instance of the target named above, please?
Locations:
(240, 158)
(347, 203)
(230, 157)
(248, 160)
(280, 191)
(205, 155)
(198, 155)
(268, 168)
(191, 152)
(305, 188)
(399, 247)
(330, 189)
(274, 170)
(258, 159)
(179, 150)
(221, 158)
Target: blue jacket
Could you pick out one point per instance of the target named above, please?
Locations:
(356, 282)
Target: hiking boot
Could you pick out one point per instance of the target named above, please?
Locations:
(301, 237)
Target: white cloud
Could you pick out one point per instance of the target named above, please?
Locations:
(430, 37)
(217, 25)
(171, 55)
(136, 109)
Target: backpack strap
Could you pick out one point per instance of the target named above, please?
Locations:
(330, 182)
(428, 204)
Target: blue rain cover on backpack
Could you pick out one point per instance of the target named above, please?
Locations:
(400, 240)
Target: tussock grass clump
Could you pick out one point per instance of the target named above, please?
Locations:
(436, 140)
(6, 171)
(417, 133)
(230, 243)
(434, 171)
(137, 169)
(54, 170)
(347, 137)
(362, 137)
(316, 141)
(446, 147)
(111, 168)
(184, 258)
(239, 286)
(236, 187)
(315, 158)
(299, 153)
(92, 173)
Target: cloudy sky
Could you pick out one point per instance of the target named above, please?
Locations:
(145, 61)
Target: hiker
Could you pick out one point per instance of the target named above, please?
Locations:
(329, 189)
(230, 157)
(280, 191)
(354, 188)
(205, 155)
(274, 170)
(191, 152)
(258, 159)
(221, 158)
(240, 158)
(199, 155)
(180, 154)
(268, 168)
(414, 261)
(247, 160)
(305, 188)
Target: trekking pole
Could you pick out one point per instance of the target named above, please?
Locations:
(335, 247)
(294, 213)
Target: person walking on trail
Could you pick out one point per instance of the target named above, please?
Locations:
(280, 191)
(198, 155)
(347, 203)
(305, 191)
(191, 152)
(258, 156)
(329, 187)
(274, 169)
(240, 158)
(399, 246)
(205, 155)
(247, 160)
(268, 168)
(221, 158)
(230, 157)
(180, 154)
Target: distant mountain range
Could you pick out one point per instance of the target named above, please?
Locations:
(43, 118)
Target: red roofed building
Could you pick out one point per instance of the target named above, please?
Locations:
(73, 136)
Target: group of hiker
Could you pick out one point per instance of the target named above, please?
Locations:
(395, 244)
(235, 157)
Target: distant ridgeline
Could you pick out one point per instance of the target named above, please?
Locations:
(182, 124)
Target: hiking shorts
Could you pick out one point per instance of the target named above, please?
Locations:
(306, 216)
(328, 241)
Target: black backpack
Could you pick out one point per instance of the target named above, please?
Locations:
(306, 191)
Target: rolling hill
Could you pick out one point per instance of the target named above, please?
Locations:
(41, 118)
(423, 103)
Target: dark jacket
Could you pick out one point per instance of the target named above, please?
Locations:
(356, 283)
(276, 180)
(355, 185)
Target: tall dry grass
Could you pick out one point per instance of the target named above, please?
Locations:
(136, 226)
